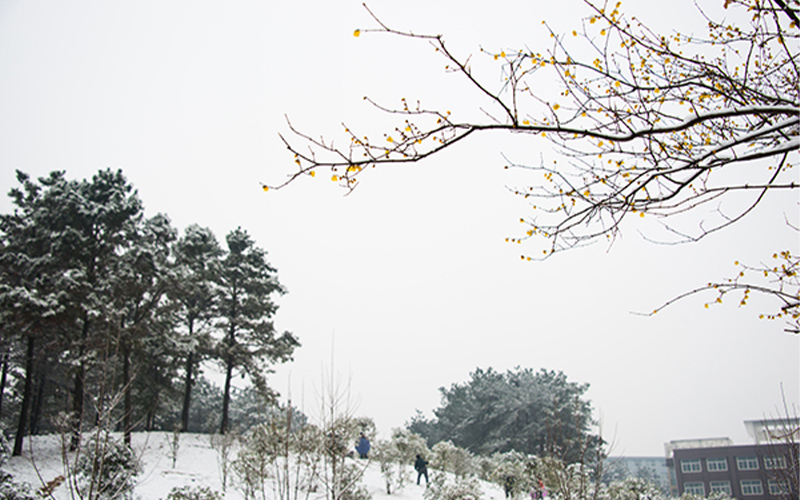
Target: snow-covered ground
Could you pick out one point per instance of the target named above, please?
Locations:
(197, 465)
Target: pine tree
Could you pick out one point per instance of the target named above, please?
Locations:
(539, 413)
(32, 282)
(99, 219)
(246, 283)
(141, 279)
(196, 253)
(61, 249)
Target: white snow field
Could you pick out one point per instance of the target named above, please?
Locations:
(196, 465)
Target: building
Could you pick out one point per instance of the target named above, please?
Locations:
(766, 470)
(651, 469)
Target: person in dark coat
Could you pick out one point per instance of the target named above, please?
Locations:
(422, 469)
(508, 486)
(363, 447)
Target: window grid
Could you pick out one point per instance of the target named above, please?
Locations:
(716, 464)
(721, 487)
(747, 463)
(778, 487)
(688, 466)
(752, 487)
(695, 488)
(774, 462)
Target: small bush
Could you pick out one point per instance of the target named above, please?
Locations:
(446, 487)
(108, 467)
(193, 493)
(450, 458)
(348, 484)
(11, 490)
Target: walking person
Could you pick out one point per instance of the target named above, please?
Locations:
(508, 486)
(421, 466)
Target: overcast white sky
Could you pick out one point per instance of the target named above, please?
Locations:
(407, 283)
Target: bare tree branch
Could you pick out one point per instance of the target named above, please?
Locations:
(648, 124)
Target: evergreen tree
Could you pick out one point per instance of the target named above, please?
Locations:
(193, 294)
(61, 248)
(246, 283)
(141, 279)
(99, 219)
(34, 284)
(26, 293)
(98, 303)
(539, 413)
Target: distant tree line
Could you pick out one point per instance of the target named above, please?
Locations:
(534, 413)
(107, 315)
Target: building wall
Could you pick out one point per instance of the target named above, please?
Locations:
(742, 468)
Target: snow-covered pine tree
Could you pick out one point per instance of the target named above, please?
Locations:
(91, 223)
(193, 295)
(140, 282)
(60, 248)
(246, 283)
(540, 413)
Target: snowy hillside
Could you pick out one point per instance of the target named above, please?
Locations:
(196, 465)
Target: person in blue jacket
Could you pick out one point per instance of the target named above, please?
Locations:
(363, 447)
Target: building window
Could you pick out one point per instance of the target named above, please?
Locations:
(688, 466)
(716, 464)
(747, 463)
(774, 462)
(778, 487)
(720, 487)
(752, 487)
(695, 488)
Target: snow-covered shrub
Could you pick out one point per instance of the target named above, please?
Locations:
(485, 467)
(450, 458)
(445, 486)
(193, 493)
(107, 467)
(258, 451)
(366, 426)
(349, 485)
(174, 444)
(5, 450)
(284, 457)
(223, 445)
(631, 488)
(11, 490)
(339, 478)
(396, 454)
(566, 482)
(305, 448)
(409, 445)
(394, 467)
(513, 471)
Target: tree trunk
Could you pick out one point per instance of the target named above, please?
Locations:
(26, 398)
(187, 393)
(126, 380)
(4, 377)
(77, 406)
(226, 398)
(227, 394)
(152, 412)
(78, 390)
(38, 402)
(188, 382)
